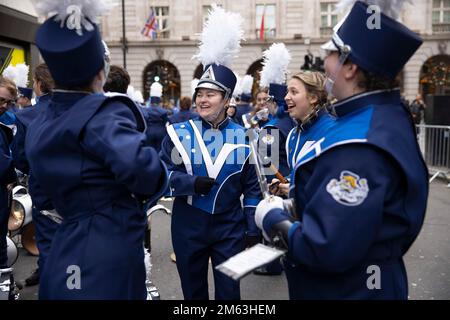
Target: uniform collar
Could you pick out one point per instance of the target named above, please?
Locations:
(362, 100)
(45, 97)
(65, 96)
(305, 126)
(222, 125)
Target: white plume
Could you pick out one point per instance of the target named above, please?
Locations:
(79, 13)
(18, 74)
(391, 8)
(247, 84)
(238, 88)
(194, 84)
(135, 95)
(156, 90)
(275, 65)
(220, 38)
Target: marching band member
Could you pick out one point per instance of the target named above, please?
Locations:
(185, 112)
(265, 108)
(208, 219)
(273, 76)
(45, 227)
(306, 101)
(243, 106)
(361, 190)
(156, 117)
(19, 75)
(274, 133)
(8, 97)
(87, 152)
(7, 176)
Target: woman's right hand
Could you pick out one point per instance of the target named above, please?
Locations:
(279, 189)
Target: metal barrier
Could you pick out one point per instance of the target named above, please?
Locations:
(434, 143)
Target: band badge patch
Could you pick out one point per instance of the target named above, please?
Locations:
(350, 190)
(268, 139)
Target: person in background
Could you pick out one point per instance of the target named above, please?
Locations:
(244, 103)
(45, 227)
(156, 117)
(185, 112)
(7, 176)
(417, 109)
(8, 97)
(24, 97)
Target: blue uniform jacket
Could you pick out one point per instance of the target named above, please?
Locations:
(8, 118)
(156, 119)
(88, 154)
(7, 176)
(222, 154)
(23, 119)
(182, 116)
(241, 109)
(307, 134)
(361, 193)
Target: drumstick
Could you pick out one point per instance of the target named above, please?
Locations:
(278, 174)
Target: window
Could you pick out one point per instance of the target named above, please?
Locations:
(162, 16)
(268, 11)
(328, 19)
(441, 16)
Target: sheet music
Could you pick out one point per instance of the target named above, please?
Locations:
(248, 260)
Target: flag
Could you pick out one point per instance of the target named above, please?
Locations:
(151, 26)
(261, 29)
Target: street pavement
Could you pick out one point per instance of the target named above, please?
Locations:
(427, 262)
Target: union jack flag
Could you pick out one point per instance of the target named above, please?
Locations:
(151, 26)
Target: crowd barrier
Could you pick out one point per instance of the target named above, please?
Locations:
(434, 142)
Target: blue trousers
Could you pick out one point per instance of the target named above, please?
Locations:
(197, 236)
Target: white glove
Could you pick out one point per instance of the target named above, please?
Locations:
(273, 202)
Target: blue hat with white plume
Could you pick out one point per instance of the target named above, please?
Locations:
(276, 60)
(218, 48)
(19, 75)
(156, 91)
(70, 41)
(371, 37)
(246, 87)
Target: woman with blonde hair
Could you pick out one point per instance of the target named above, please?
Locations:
(306, 100)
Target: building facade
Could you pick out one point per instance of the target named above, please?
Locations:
(303, 25)
(18, 25)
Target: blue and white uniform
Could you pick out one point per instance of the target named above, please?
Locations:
(212, 225)
(360, 193)
(307, 134)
